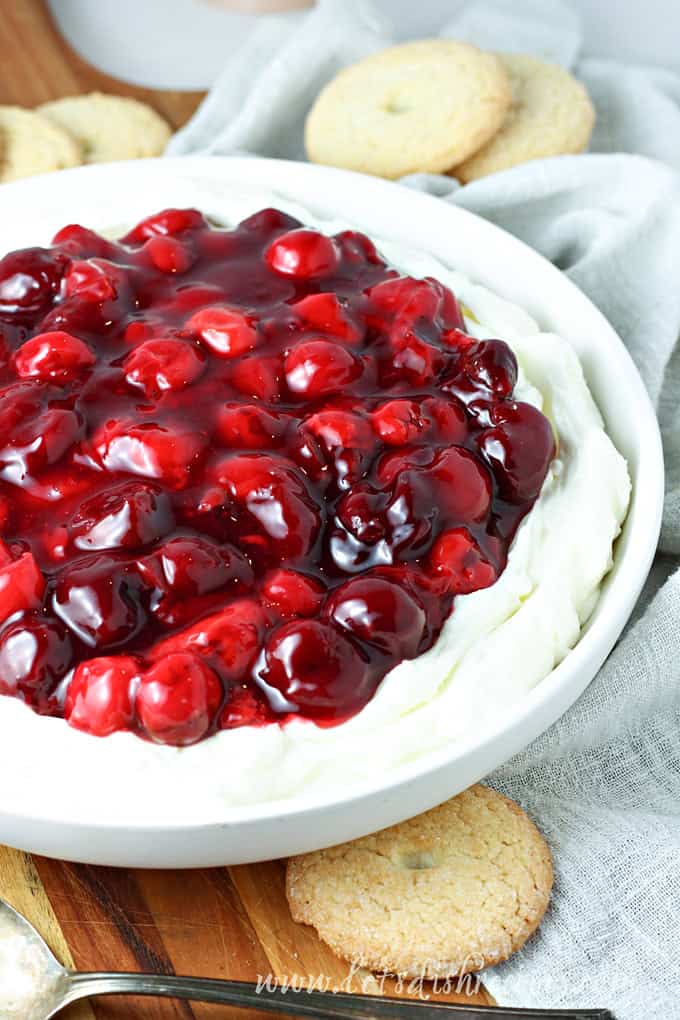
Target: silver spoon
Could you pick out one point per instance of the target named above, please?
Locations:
(34, 986)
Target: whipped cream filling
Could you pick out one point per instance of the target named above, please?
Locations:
(497, 644)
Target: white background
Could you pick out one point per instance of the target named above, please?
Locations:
(184, 43)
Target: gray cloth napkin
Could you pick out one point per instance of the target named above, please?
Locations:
(603, 782)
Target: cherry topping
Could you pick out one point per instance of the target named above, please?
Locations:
(250, 470)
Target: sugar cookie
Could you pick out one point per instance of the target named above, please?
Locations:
(551, 115)
(109, 127)
(454, 890)
(31, 144)
(421, 106)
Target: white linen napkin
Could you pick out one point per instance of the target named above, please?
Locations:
(604, 782)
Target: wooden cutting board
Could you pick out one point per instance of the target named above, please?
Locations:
(229, 922)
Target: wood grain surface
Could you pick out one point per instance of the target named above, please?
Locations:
(230, 922)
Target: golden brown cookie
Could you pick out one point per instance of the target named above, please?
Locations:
(421, 106)
(454, 890)
(109, 127)
(551, 115)
(31, 144)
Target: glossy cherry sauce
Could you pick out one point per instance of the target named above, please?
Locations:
(243, 473)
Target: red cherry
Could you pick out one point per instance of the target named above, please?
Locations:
(227, 332)
(399, 422)
(462, 487)
(29, 282)
(244, 708)
(230, 639)
(168, 254)
(98, 699)
(22, 586)
(493, 365)
(268, 221)
(138, 331)
(519, 447)
(340, 430)
(5, 551)
(258, 377)
(19, 402)
(324, 313)
(458, 564)
(448, 418)
(394, 463)
(53, 357)
(90, 281)
(35, 653)
(292, 594)
(177, 699)
(413, 360)
(319, 368)
(127, 516)
(157, 366)
(99, 599)
(381, 613)
(168, 222)
(355, 247)
(335, 444)
(310, 667)
(249, 427)
(303, 254)
(190, 566)
(362, 512)
(150, 450)
(37, 444)
(83, 243)
(279, 518)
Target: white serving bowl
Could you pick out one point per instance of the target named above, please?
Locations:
(32, 210)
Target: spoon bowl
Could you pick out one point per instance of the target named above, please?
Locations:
(33, 984)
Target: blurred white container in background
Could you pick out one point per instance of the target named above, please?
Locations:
(183, 44)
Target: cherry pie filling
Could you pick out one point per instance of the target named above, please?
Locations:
(243, 473)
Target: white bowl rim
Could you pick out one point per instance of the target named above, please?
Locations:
(616, 602)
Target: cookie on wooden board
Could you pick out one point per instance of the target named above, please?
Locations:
(551, 115)
(454, 890)
(109, 127)
(420, 106)
(31, 144)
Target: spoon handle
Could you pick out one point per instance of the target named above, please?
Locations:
(303, 1003)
